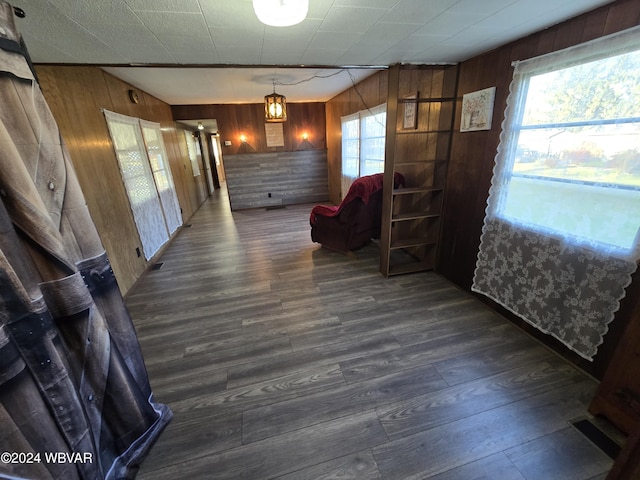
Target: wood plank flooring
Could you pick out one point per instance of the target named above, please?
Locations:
(283, 360)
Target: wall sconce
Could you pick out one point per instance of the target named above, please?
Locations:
(281, 13)
(200, 126)
(305, 144)
(244, 145)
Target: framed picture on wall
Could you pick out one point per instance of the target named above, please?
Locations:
(477, 110)
(274, 133)
(410, 115)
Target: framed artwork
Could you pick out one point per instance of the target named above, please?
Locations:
(477, 110)
(410, 115)
(275, 137)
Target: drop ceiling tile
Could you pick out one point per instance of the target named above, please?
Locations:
(122, 38)
(335, 40)
(226, 13)
(514, 14)
(65, 6)
(351, 19)
(51, 26)
(417, 11)
(90, 12)
(304, 29)
(359, 56)
(196, 57)
(284, 37)
(387, 31)
(321, 56)
(179, 43)
(486, 7)
(281, 57)
(232, 55)
(189, 6)
(386, 4)
(44, 50)
(388, 34)
(450, 23)
(229, 37)
(164, 23)
(468, 37)
(144, 42)
(148, 55)
(318, 9)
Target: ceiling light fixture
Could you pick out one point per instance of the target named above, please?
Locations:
(200, 126)
(275, 107)
(281, 13)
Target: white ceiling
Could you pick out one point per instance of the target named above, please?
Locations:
(143, 41)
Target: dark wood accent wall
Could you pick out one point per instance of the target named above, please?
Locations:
(76, 96)
(235, 120)
(370, 92)
(472, 157)
(274, 179)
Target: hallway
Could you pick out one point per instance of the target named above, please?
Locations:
(282, 360)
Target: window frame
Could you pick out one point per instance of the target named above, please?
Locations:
(362, 141)
(524, 71)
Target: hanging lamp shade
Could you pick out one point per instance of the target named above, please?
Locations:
(275, 107)
(281, 13)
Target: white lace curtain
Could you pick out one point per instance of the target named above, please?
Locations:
(550, 252)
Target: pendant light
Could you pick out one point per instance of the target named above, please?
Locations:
(275, 107)
(281, 13)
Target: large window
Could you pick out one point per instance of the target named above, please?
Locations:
(561, 235)
(573, 163)
(363, 135)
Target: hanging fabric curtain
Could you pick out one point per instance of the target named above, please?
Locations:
(561, 233)
(72, 378)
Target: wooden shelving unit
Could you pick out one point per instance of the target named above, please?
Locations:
(420, 152)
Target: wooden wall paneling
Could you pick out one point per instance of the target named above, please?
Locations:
(120, 101)
(334, 150)
(309, 118)
(622, 15)
(235, 120)
(83, 123)
(569, 35)
(188, 190)
(411, 216)
(178, 159)
(190, 194)
(205, 164)
(76, 95)
(463, 188)
(526, 48)
(618, 395)
(194, 190)
(368, 93)
(594, 25)
(200, 180)
(152, 109)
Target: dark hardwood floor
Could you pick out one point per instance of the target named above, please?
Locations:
(283, 360)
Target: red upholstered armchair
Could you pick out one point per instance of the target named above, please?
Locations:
(353, 223)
